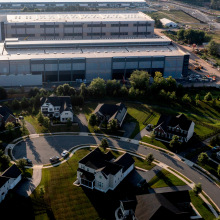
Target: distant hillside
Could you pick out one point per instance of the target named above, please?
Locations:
(215, 4)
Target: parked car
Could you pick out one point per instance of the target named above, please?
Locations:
(29, 162)
(216, 148)
(64, 153)
(21, 117)
(54, 159)
(149, 127)
(218, 155)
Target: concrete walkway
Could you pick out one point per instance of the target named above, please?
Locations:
(30, 128)
(26, 187)
(148, 175)
(169, 189)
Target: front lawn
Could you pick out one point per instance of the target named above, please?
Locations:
(65, 200)
(154, 142)
(164, 178)
(201, 207)
(32, 119)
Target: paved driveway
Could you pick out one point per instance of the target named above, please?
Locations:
(82, 121)
(39, 150)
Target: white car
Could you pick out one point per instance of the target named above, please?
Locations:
(64, 153)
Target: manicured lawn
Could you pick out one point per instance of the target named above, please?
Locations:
(142, 115)
(201, 207)
(139, 162)
(155, 142)
(32, 119)
(65, 200)
(163, 179)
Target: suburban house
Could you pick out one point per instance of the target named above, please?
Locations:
(108, 112)
(8, 180)
(103, 172)
(170, 205)
(58, 107)
(168, 126)
(6, 115)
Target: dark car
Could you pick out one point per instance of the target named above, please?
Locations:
(216, 148)
(54, 159)
(28, 161)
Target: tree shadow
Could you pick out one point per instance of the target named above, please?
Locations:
(32, 147)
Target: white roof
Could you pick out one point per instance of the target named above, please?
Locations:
(95, 52)
(78, 17)
(69, 1)
(166, 21)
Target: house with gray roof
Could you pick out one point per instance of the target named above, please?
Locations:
(108, 112)
(179, 125)
(6, 116)
(8, 180)
(58, 107)
(101, 171)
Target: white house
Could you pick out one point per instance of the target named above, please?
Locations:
(180, 125)
(58, 107)
(168, 23)
(102, 171)
(8, 180)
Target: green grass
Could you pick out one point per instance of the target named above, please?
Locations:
(189, 181)
(174, 15)
(139, 113)
(164, 179)
(63, 198)
(155, 142)
(201, 207)
(32, 119)
(139, 162)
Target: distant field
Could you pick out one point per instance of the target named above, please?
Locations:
(175, 15)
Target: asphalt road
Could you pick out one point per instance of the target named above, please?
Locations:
(39, 150)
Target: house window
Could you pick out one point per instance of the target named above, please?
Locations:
(50, 109)
(87, 169)
(100, 184)
(66, 113)
(100, 177)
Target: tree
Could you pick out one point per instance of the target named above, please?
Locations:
(208, 96)
(180, 34)
(68, 123)
(3, 93)
(213, 48)
(4, 161)
(197, 99)
(203, 158)
(139, 79)
(21, 164)
(215, 141)
(24, 103)
(132, 93)
(9, 126)
(33, 92)
(186, 99)
(197, 188)
(65, 90)
(152, 137)
(218, 170)
(158, 23)
(175, 143)
(104, 143)
(40, 118)
(15, 104)
(112, 125)
(123, 91)
(46, 122)
(150, 158)
(93, 120)
(83, 90)
(112, 87)
(37, 102)
(97, 87)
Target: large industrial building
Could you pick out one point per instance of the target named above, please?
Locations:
(87, 25)
(42, 4)
(33, 62)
